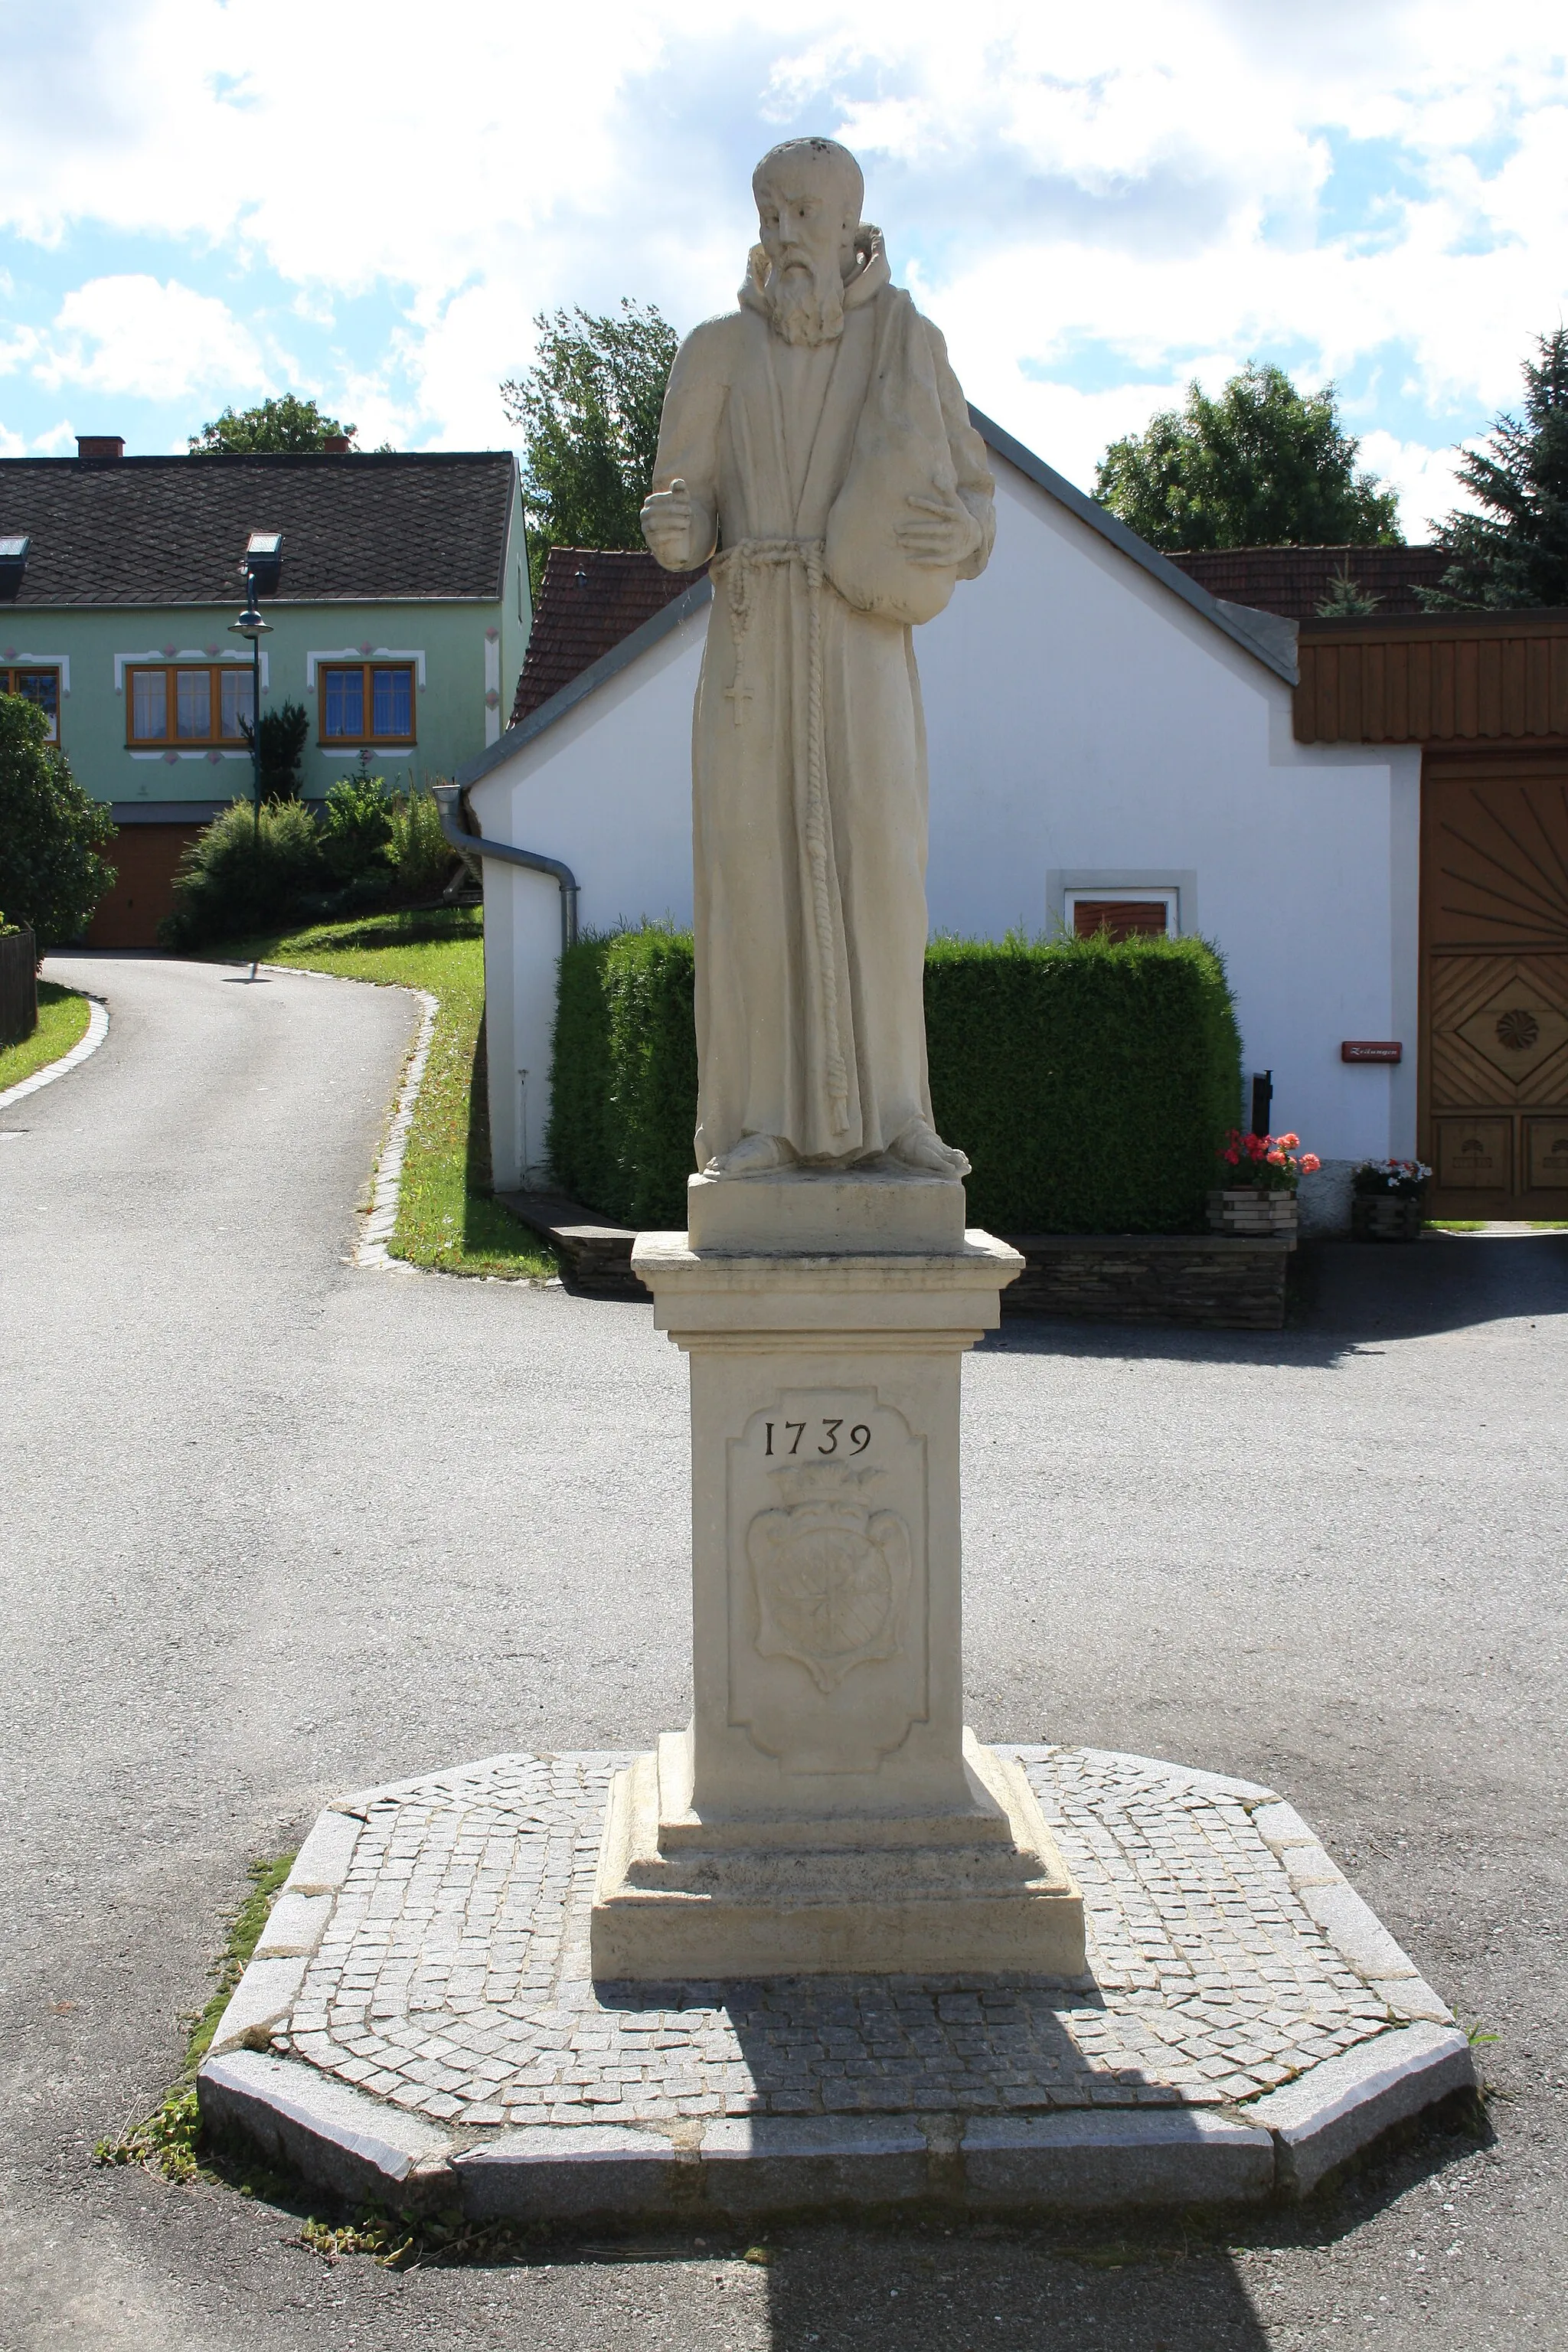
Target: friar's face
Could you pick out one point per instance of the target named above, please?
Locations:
(807, 215)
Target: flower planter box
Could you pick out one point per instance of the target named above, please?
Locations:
(1384, 1217)
(18, 987)
(1249, 1208)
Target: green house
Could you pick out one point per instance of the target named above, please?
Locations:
(395, 593)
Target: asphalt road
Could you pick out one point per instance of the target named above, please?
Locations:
(272, 1526)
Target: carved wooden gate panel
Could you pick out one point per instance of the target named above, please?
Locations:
(1494, 1018)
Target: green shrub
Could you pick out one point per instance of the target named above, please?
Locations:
(652, 1111)
(1090, 1082)
(368, 847)
(52, 872)
(283, 733)
(356, 829)
(624, 1089)
(580, 1141)
(235, 877)
(421, 855)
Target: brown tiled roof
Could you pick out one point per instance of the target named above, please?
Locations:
(590, 598)
(593, 597)
(1294, 581)
(172, 531)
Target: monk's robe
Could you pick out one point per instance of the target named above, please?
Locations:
(809, 756)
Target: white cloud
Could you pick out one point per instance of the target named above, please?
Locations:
(1423, 477)
(1156, 178)
(131, 334)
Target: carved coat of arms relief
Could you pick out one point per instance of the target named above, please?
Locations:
(832, 1579)
(827, 1638)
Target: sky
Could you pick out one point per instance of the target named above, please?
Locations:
(203, 202)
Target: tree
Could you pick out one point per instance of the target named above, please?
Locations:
(277, 426)
(284, 733)
(1515, 551)
(1347, 600)
(589, 408)
(1262, 465)
(51, 873)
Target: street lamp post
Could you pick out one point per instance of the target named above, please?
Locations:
(251, 624)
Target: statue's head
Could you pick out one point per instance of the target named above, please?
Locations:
(809, 192)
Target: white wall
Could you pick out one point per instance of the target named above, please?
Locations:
(608, 789)
(1084, 722)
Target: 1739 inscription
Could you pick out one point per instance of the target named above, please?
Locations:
(790, 1433)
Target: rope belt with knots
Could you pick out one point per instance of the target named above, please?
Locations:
(737, 566)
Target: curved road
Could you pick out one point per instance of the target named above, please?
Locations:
(272, 1526)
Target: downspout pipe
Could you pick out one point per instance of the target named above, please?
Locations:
(449, 801)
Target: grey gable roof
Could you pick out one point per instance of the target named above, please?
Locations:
(1263, 634)
(367, 530)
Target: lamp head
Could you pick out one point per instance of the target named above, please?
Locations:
(250, 623)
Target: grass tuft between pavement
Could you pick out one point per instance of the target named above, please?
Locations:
(63, 1016)
(446, 1218)
(166, 2140)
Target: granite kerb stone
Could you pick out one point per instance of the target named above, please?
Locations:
(1085, 2159)
(1338, 2108)
(357, 2147)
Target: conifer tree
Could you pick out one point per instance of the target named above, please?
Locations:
(1514, 551)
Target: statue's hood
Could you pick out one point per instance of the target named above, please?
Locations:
(870, 276)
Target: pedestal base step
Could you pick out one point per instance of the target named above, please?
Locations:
(420, 2026)
(978, 1891)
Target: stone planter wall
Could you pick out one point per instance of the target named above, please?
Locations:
(1205, 1279)
(18, 987)
(1250, 1210)
(1383, 1217)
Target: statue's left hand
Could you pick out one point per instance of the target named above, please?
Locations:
(942, 534)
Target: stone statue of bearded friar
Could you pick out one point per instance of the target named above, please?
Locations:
(818, 438)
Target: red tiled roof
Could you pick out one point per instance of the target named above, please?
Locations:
(1294, 581)
(591, 597)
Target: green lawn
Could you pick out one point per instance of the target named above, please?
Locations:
(446, 1218)
(1478, 1224)
(62, 1024)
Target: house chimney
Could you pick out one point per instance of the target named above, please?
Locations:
(100, 445)
(336, 445)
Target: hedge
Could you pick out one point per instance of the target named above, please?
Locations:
(1090, 1081)
(624, 1075)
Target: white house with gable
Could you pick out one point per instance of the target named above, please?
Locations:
(1100, 729)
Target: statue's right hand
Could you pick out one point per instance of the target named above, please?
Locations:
(666, 519)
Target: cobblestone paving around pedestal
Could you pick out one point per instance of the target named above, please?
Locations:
(453, 1977)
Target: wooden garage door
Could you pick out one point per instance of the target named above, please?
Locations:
(1494, 1015)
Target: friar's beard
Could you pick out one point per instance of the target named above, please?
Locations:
(805, 305)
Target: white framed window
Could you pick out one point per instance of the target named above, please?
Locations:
(367, 702)
(36, 682)
(1126, 913)
(187, 703)
(1149, 902)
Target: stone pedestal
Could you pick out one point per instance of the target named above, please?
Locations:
(827, 1810)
